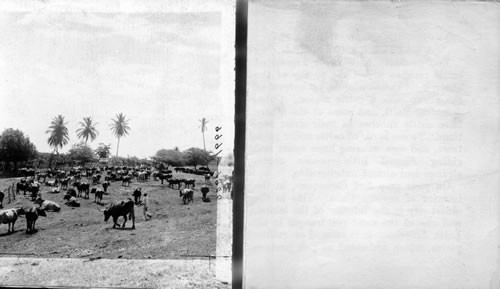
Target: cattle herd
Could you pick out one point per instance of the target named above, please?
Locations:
(79, 183)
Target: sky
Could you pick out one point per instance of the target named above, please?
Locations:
(162, 70)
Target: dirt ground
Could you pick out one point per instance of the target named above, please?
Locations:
(175, 231)
(175, 273)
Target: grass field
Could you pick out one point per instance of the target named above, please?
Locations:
(175, 231)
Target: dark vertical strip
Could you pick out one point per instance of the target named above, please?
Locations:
(239, 140)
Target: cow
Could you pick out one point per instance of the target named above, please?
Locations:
(163, 176)
(126, 180)
(204, 191)
(187, 195)
(40, 176)
(64, 183)
(52, 183)
(2, 195)
(141, 177)
(71, 201)
(188, 183)
(226, 186)
(48, 205)
(118, 209)
(105, 186)
(83, 188)
(70, 193)
(96, 179)
(207, 178)
(173, 182)
(22, 186)
(31, 217)
(33, 189)
(112, 177)
(98, 196)
(54, 191)
(10, 216)
(137, 196)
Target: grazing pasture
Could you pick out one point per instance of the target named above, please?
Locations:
(175, 231)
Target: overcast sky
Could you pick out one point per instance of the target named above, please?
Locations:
(161, 70)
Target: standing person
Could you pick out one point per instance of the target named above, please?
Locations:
(137, 196)
(145, 203)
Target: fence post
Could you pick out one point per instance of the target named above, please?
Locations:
(13, 191)
(8, 194)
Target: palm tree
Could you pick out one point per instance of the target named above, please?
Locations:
(87, 130)
(120, 128)
(203, 126)
(58, 133)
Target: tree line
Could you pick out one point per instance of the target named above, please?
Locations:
(17, 150)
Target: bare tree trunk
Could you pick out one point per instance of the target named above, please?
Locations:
(204, 148)
(117, 146)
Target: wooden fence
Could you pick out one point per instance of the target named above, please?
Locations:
(10, 194)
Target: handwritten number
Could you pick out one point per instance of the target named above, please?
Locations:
(218, 136)
(217, 128)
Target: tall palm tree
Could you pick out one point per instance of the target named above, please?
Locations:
(58, 133)
(120, 128)
(87, 130)
(203, 126)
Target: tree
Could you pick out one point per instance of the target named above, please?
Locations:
(103, 151)
(87, 130)
(120, 128)
(171, 157)
(58, 133)
(203, 126)
(81, 154)
(196, 156)
(15, 147)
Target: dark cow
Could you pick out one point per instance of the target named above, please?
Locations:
(70, 193)
(31, 217)
(137, 196)
(112, 177)
(2, 195)
(105, 186)
(83, 188)
(40, 176)
(204, 191)
(187, 195)
(96, 179)
(126, 180)
(98, 196)
(163, 176)
(188, 183)
(10, 216)
(22, 186)
(173, 182)
(33, 189)
(118, 209)
(72, 201)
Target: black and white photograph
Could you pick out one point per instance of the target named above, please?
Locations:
(116, 143)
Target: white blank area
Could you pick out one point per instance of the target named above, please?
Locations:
(372, 145)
